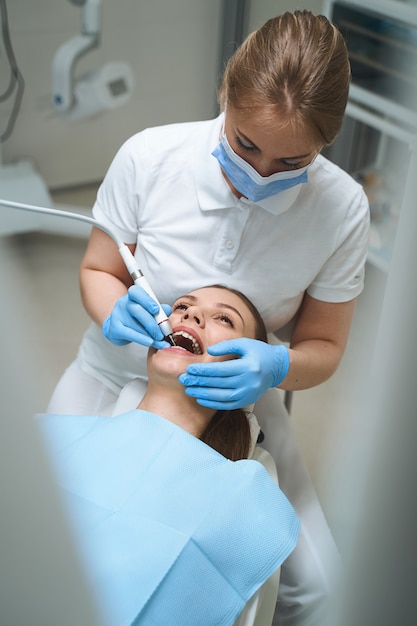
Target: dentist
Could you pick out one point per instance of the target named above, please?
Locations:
(246, 200)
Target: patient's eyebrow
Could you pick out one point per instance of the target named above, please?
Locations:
(187, 296)
(223, 305)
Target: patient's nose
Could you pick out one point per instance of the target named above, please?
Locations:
(194, 313)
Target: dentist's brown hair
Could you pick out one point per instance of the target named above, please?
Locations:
(294, 70)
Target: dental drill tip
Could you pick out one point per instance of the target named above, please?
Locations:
(170, 339)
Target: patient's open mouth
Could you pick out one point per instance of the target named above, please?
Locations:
(187, 342)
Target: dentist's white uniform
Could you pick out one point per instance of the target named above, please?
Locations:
(165, 191)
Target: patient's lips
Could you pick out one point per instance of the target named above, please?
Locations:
(187, 339)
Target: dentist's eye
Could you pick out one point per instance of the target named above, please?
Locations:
(243, 145)
(291, 165)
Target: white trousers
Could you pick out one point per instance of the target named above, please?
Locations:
(79, 393)
(311, 574)
(309, 577)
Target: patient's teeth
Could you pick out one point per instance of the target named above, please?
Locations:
(195, 347)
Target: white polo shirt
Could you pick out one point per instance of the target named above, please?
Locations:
(165, 192)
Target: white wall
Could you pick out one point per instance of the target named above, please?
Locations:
(172, 46)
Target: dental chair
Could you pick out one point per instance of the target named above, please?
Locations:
(260, 609)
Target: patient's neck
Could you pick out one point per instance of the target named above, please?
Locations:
(175, 406)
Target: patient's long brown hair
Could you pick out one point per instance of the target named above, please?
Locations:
(228, 432)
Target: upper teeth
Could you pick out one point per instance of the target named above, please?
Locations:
(194, 343)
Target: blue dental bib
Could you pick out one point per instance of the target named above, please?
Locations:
(169, 531)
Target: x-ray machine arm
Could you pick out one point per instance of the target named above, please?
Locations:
(68, 54)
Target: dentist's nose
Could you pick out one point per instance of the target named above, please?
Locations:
(265, 167)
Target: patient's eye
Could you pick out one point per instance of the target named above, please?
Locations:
(215, 313)
(226, 319)
(179, 306)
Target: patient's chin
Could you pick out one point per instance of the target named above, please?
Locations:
(167, 363)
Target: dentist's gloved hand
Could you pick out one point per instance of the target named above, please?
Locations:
(238, 382)
(132, 320)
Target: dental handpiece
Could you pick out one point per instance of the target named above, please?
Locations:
(139, 279)
(128, 258)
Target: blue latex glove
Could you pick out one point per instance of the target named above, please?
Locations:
(238, 382)
(132, 320)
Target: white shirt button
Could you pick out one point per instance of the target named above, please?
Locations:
(229, 244)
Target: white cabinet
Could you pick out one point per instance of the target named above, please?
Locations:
(380, 129)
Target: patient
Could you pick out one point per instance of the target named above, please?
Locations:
(200, 319)
(169, 529)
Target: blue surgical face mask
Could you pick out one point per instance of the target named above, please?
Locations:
(247, 180)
